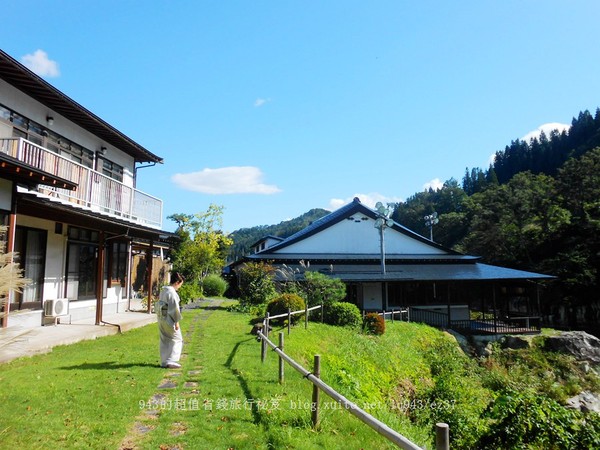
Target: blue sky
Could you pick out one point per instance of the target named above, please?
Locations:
(272, 108)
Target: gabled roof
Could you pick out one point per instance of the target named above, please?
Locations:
(266, 238)
(344, 213)
(37, 88)
(432, 262)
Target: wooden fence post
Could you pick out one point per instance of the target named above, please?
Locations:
(316, 393)
(306, 316)
(289, 320)
(442, 436)
(322, 312)
(268, 325)
(281, 361)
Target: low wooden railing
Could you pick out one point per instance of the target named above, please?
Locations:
(95, 191)
(442, 431)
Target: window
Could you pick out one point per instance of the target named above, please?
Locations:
(82, 257)
(38, 134)
(118, 263)
(30, 245)
(110, 169)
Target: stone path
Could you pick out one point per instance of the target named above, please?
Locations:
(187, 377)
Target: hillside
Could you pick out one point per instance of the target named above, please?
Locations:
(245, 237)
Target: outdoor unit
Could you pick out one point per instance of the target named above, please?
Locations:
(56, 307)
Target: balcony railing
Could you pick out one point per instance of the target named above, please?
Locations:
(95, 191)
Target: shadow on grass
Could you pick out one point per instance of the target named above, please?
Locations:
(206, 304)
(110, 365)
(256, 416)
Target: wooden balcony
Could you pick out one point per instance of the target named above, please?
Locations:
(94, 191)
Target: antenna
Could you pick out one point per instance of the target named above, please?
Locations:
(382, 222)
(430, 221)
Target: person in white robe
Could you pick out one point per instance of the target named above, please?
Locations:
(169, 316)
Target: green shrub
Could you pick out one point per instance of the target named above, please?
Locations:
(189, 291)
(319, 289)
(524, 419)
(374, 324)
(280, 305)
(214, 286)
(343, 314)
(256, 283)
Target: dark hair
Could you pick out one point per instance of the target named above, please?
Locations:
(176, 277)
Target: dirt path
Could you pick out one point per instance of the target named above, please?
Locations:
(187, 377)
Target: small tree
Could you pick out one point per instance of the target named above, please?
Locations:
(256, 283)
(321, 289)
(202, 246)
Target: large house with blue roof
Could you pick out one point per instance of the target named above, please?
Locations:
(390, 267)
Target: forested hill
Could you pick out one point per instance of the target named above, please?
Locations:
(545, 154)
(536, 208)
(245, 237)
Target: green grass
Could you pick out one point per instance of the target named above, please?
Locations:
(78, 396)
(105, 393)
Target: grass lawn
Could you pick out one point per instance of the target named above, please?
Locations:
(107, 393)
(83, 395)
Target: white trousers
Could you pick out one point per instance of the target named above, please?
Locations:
(171, 343)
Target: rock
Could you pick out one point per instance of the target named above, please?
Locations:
(585, 402)
(515, 342)
(461, 341)
(583, 346)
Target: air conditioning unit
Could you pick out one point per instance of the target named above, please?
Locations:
(56, 307)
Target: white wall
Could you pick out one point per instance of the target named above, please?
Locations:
(359, 236)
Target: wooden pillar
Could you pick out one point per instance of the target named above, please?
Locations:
(100, 277)
(10, 247)
(149, 268)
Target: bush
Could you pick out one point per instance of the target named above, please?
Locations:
(189, 291)
(280, 305)
(374, 324)
(256, 283)
(214, 286)
(343, 314)
(524, 419)
(318, 289)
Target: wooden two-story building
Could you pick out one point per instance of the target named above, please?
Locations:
(69, 201)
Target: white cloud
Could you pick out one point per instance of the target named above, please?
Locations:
(546, 128)
(434, 184)
(366, 199)
(261, 101)
(225, 180)
(39, 63)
